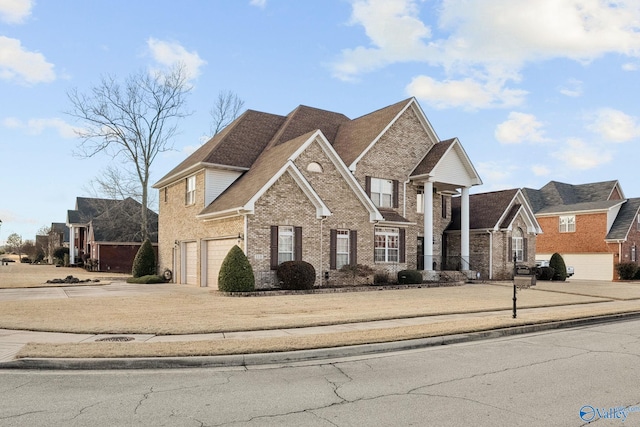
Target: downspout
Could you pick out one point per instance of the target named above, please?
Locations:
(490, 254)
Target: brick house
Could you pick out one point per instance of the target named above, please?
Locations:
(315, 186)
(590, 225)
(501, 224)
(108, 233)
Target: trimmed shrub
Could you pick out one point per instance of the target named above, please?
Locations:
(356, 270)
(409, 277)
(545, 273)
(560, 269)
(381, 278)
(152, 278)
(296, 275)
(627, 270)
(144, 264)
(236, 274)
(637, 275)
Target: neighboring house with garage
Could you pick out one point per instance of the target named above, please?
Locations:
(502, 224)
(588, 224)
(316, 186)
(107, 233)
(623, 237)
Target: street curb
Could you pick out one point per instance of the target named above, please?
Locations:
(257, 359)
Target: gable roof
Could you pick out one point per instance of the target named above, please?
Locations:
(354, 137)
(236, 147)
(87, 208)
(558, 197)
(305, 119)
(122, 223)
(625, 219)
(494, 210)
(485, 209)
(447, 163)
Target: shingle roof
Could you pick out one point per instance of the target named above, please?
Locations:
(485, 209)
(392, 216)
(263, 169)
(432, 158)
(578, 207)
(88, 208)
(121, 222)
(305, 119)
(237, 145)
(557, 196)
(355, 136)
(625, 220)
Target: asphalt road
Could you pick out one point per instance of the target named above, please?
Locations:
(562, 378)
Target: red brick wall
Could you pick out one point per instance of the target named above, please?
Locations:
(588, 238)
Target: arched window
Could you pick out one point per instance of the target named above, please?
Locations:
(314, 167)
(517, 244)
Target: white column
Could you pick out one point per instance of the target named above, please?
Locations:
(72, 244)
(427, 208)
(464, 228)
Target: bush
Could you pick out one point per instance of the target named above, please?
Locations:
(627, 270)
(360, 270)
(545, 273)
(409, 277)
(560, 269)
(151, 278)
(144, 264)
(637, 275)
(25, 260)
(381, 278)
(296, 275)
(236, 274)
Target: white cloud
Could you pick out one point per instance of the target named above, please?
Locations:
(171, 53)
(614, 125)
(519, 128)
(18, 64)
(496, 175)
(572, 88)
(259, 3)
(39, 126)
(489, 41)
(577, 154)
(540, 170)
(15, 11)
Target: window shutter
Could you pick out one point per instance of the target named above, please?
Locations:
(297, 245)
(274, 247)
(367, 185)
(510, 250)
(353, 247)
(524, 250)
(332, 248)
(402, 237)
(396, 191)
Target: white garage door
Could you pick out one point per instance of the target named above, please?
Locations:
(587, 266)
(190, 263)
(217, 250)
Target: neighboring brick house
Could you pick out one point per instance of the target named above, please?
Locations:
(502, 225)
(315, 186)
(623, 238)
(578, 223)
(107, 233)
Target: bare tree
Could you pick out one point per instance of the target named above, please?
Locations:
(226, 109)
(132, 121)
(14, 244)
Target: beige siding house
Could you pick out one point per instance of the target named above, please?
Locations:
(316, 186)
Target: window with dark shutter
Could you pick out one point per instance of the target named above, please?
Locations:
(402, 233)
(333, 237)
(297, 246)
(353, 247)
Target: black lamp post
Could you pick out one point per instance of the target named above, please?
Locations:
(514, 286)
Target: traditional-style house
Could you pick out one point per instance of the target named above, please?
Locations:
(502, 225)
(578, 223)
(107, 233)
(316, 186)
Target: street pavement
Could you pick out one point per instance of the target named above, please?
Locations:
(11, 341)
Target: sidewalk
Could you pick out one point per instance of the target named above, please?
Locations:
(528, 320)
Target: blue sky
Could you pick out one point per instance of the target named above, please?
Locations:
(535, 90)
